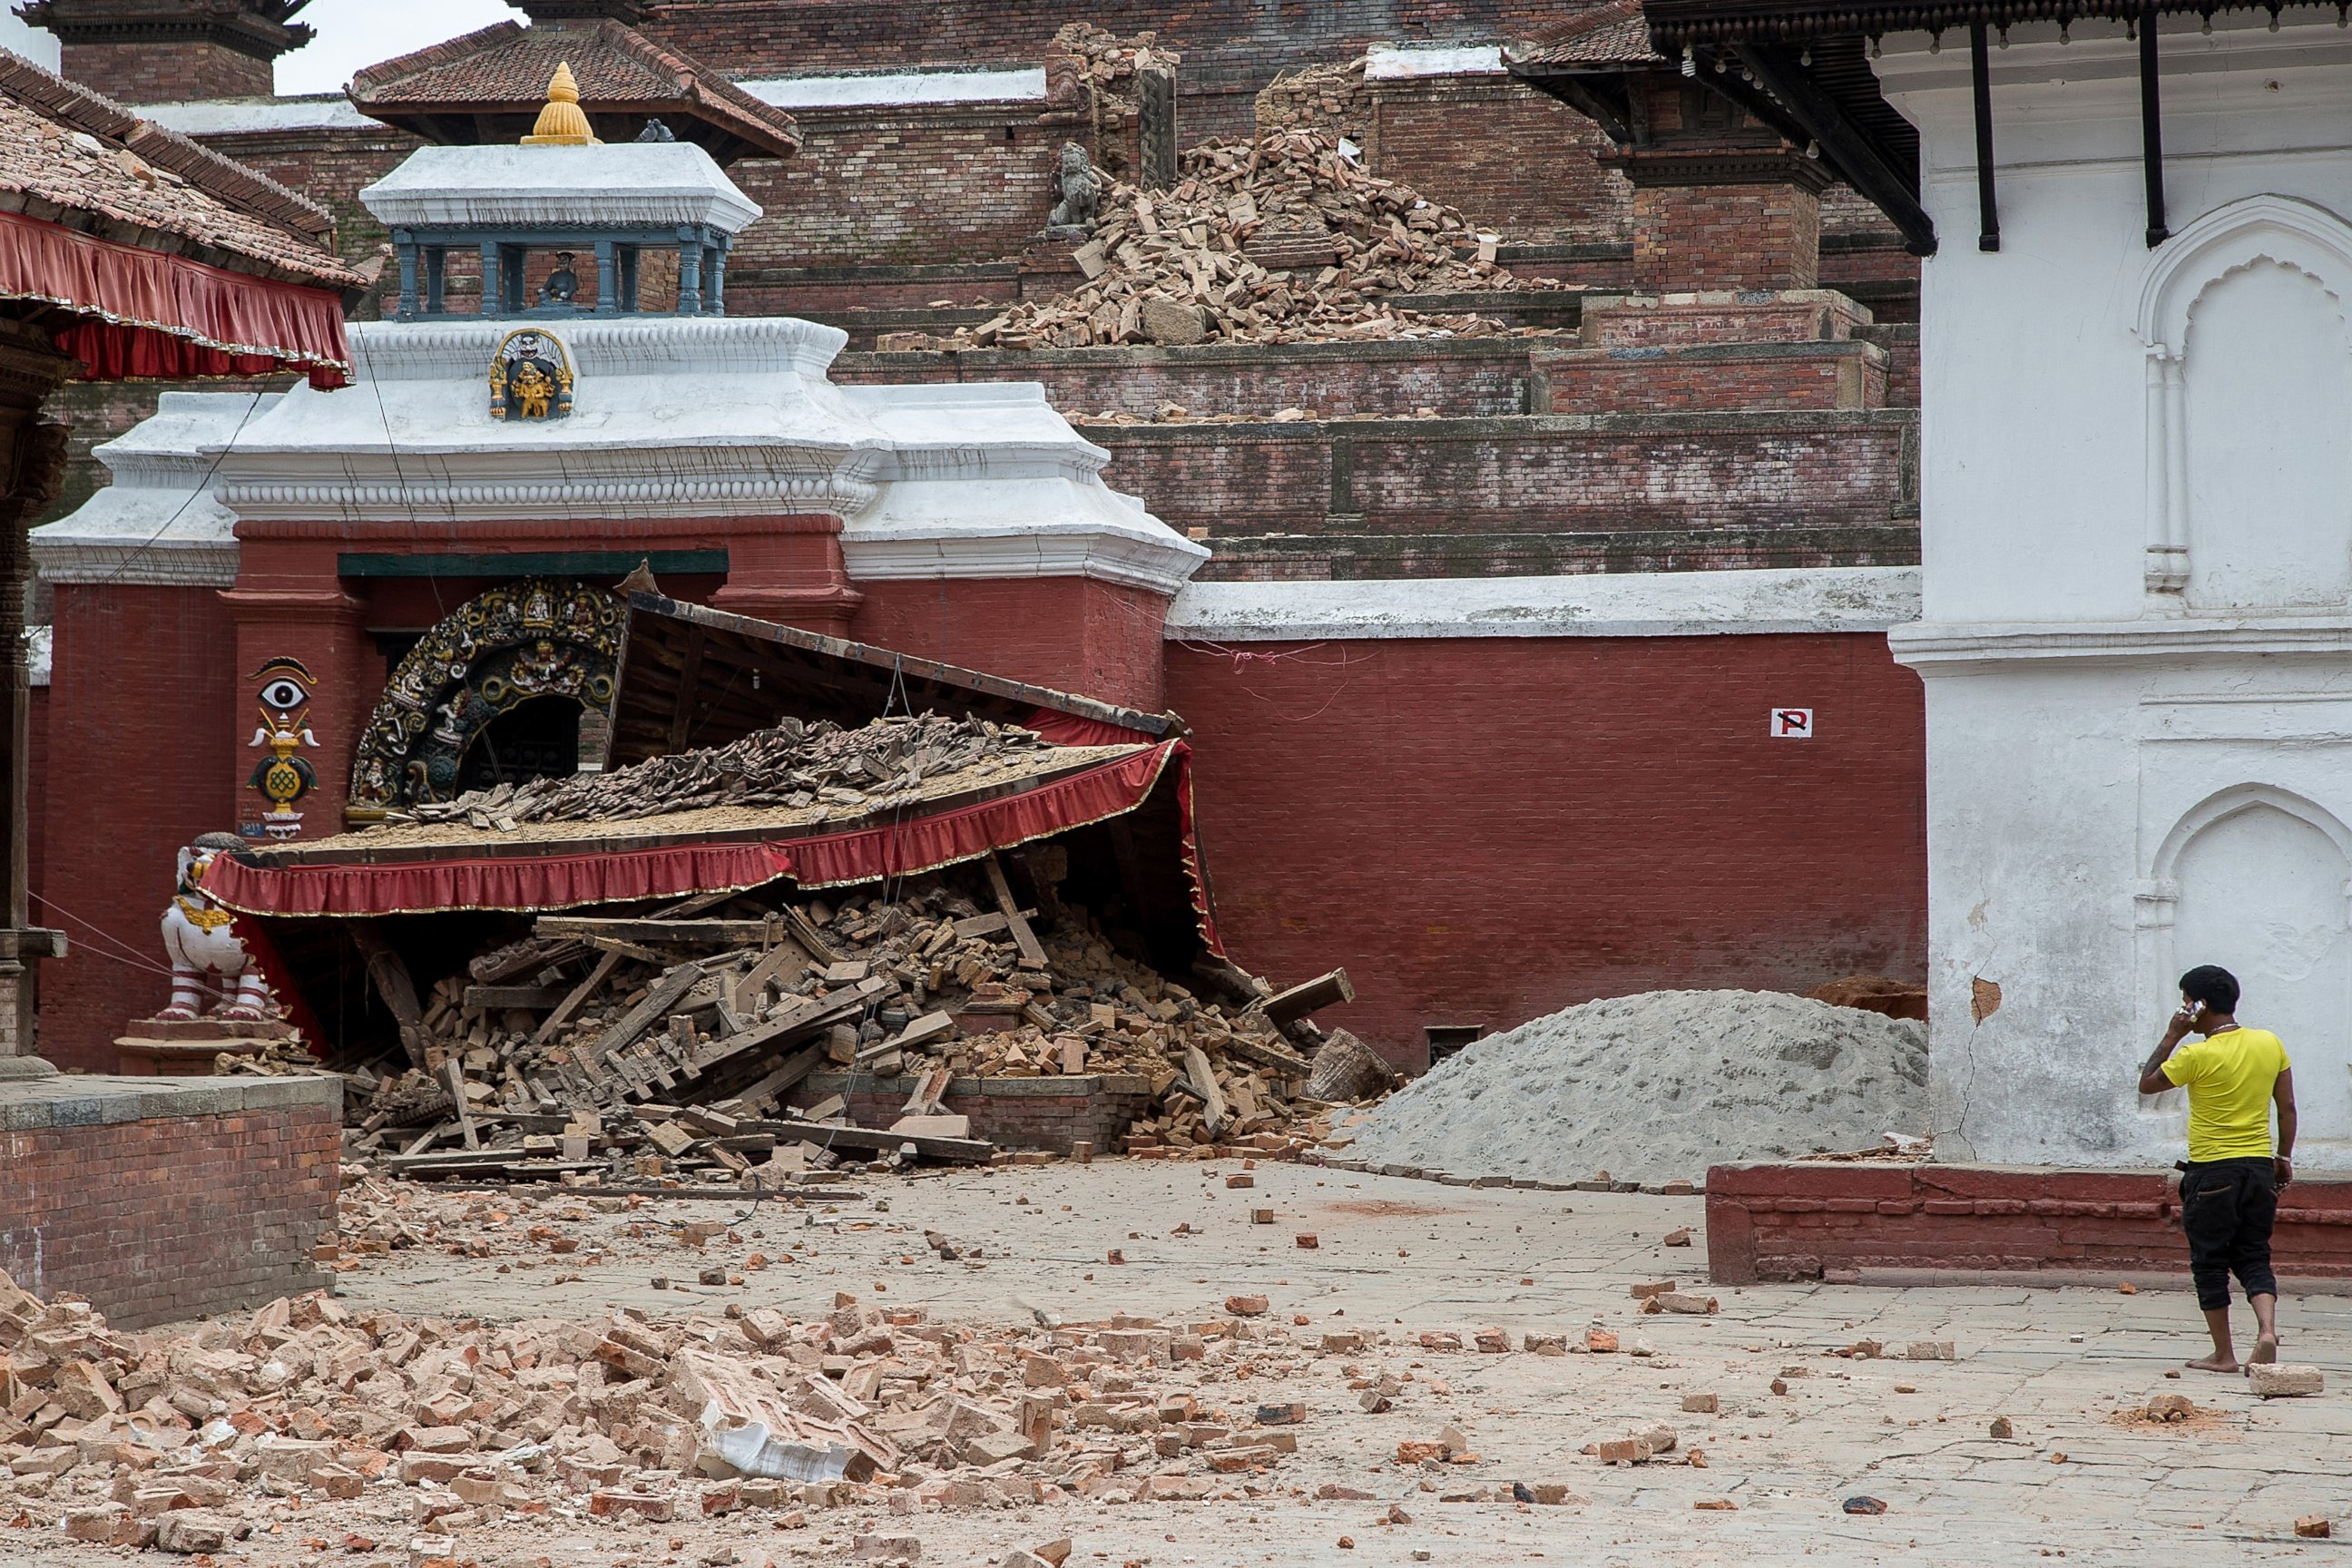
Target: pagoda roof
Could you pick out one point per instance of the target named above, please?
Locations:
(1612, 36)
(73, 157)
(487, 86)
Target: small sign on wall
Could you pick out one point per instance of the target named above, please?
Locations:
(1792, 723)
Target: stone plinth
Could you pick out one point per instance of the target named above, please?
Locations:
(1887, 1223)
(185, 1047)
(1013, 1113)
(163, 1198)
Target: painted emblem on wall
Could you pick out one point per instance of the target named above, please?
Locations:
(202, 941)
(284, 775)
(531, 376)
(542, 637)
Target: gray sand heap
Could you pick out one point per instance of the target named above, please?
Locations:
(1658, 1086)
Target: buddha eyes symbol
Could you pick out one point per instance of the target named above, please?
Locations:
(284, 693)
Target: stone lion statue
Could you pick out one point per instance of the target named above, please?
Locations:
(1080, 188)
(202, 941)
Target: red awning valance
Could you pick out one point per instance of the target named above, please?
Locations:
(558, 879)
(150, 315)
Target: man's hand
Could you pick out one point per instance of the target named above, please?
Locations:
(2184, 1022)
(2283, 1169)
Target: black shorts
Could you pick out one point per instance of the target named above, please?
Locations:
(2227, 1207)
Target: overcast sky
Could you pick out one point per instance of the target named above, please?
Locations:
(352, 33)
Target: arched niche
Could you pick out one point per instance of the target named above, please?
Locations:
(510, 646)
(2259, 881)
(2249, 480)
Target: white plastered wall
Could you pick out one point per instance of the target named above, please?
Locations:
(2136, 634)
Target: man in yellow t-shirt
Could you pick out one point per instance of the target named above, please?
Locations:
(2230, 1187)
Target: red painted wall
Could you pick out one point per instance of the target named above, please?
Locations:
(1074, 634)
(1486, 830)
(143, 743)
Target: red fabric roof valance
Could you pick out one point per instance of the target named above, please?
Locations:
(150, 315)
(558, 879)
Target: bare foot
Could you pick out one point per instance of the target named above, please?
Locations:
(2265, 1350)
(2220, 1361)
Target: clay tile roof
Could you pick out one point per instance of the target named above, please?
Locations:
(71, 156)
(503, 70)
(1616, 33)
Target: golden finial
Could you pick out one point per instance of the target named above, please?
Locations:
(560, 121)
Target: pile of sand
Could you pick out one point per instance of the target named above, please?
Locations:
(1658, 1086)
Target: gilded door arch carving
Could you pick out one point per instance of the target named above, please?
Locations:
(537, 638)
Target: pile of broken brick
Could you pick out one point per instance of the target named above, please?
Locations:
(191, 1438)
(1287, 240)
(666, 1046)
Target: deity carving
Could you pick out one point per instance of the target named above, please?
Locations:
(531, 376)
(1079, 188)
(201, 941)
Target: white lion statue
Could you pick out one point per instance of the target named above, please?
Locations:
(201, 940)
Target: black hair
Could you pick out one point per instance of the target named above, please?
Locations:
(2213, 986)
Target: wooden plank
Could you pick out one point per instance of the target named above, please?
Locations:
(978, 925)
(762, 1095)
(1213, 1111)
(783, 959)
(720, 931)
(1323, 991)
(804, 931)
(570, 1006)
(1033, 952)
(924, 1031)
(390, 973)
(1265, 1056)
(822, 1133)
(616, 946)
(535, 998)
(453, 1078)
(786, 1027)
(641, 1018)
(425, 1139)
(689, 676)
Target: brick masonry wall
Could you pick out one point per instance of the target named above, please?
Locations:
(1701, 380)
(932, 186)
(1047, 1113)
(1098, 639)
(328, 167)
(1467, 377)
(1725, 237)
(172, 72)
(1433, 498)
(1510, 158)
(144, 739)
(1851, 1222)
(162, 1199)
(1486, 830)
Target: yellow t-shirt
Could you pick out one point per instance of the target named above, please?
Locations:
(2229, 1078)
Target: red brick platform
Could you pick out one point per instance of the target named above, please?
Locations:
(1893, 1222)
(160, 1198)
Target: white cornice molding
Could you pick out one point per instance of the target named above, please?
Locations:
(1947, 647)
(1606, 604)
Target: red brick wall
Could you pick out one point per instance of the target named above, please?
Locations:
(928, 186)
(1405, 498)
(161, 1219)
(142, 734)
(1486, 830)
(1470, 376)
(328, 167)
(1705, 380)
(1844, 1222)
(172, 72)
(1512, 159)
(1093, 638)
(1725, 237)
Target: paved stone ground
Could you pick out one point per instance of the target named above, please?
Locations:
(2084, 1477)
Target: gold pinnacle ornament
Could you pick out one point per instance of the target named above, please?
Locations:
(562, 122)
